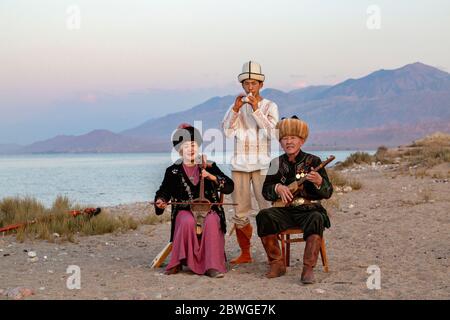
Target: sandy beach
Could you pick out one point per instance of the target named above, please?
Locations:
(397, 222)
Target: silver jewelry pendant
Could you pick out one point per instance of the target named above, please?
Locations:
(300, 175)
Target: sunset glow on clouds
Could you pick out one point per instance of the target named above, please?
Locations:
(89, 98)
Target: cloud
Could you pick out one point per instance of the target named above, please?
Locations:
(89, 98)
(300, 84)
(297, 76)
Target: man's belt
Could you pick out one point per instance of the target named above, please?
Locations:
(300, 201)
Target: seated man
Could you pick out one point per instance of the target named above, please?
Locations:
(302, 211)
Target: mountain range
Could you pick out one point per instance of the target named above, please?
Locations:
(386, 107)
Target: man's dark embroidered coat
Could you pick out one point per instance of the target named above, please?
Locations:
(283, 171)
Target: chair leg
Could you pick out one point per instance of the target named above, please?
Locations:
(323, 254)
(283, 247)
(288, 250)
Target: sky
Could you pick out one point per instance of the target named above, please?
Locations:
(68, 67)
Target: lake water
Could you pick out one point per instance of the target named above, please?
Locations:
(95, 179)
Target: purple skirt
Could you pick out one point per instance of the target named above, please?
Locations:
(202, 254)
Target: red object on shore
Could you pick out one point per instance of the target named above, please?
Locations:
(73, 213)
(87, 211)
(12, 227)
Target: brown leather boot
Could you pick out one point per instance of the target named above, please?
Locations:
(276, 262)
(312, 248)
(243, 235)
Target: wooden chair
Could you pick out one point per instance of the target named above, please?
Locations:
(286, 240)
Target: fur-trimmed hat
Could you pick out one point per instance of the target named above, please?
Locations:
(251, 70)
(185, 132)
(292, 127)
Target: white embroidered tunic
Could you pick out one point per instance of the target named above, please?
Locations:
(252, 132)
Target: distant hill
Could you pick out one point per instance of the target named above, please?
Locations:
(386, 107)
(97, 141)
(411, 78)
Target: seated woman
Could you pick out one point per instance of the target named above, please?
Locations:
(203, 254)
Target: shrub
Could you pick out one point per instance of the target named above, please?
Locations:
(339, 180)
(356, 158)
(43, 222)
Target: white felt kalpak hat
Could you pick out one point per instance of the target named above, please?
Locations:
(251, 70)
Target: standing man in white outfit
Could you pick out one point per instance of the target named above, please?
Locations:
(251, 120)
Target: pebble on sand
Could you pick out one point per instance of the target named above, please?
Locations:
(34, 259)
(19, 293)
(319, 291)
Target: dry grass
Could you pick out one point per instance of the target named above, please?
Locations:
(423, 158)
(429, 156)
(384, 155)
(439, 175)
(356, 158)
(355, 184)
(339, 180)
(336, 178)
(57, 220)
(418, 173)
(424, 161)
(425, 153)
(153, 219)
(435, 139)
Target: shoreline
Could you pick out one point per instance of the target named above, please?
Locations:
(307, 149)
